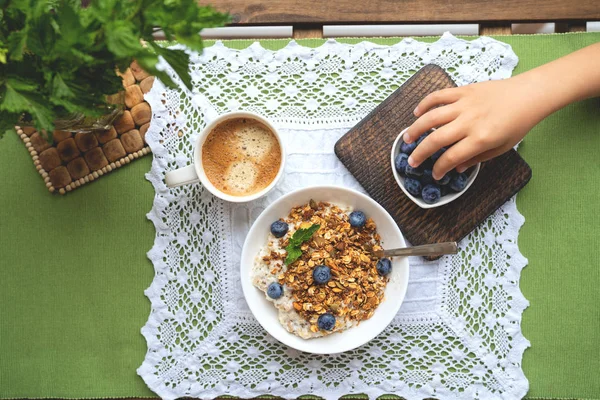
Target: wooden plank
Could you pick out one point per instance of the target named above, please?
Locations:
(308, 32)
(365, 151)
(577, 26)
(426, 11)
(561, 27)
(495, 29)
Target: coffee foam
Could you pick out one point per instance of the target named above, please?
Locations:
(241, 176)
(241, 156)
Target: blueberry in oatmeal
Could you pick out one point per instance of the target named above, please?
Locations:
(321, 274)
(279, 229)
(458, 182)
(431, 194)
(275, 290)
(326, 322)
(358, 219)
(384, 266)
(413, 186)
(400, 162)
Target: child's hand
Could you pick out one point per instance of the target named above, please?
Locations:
(477, 122)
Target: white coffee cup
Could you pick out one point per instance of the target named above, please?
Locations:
(195, 172)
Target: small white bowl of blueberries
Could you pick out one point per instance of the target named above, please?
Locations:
(418, 183)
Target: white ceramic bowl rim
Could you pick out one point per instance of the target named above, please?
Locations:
(266, 313)
(198, 156)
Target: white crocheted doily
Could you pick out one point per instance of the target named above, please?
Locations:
(458, 334)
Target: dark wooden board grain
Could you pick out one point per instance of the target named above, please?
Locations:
(365, 151)
(273, 12)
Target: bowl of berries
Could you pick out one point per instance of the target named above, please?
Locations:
(418, 183)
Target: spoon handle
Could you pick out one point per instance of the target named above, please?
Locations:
(435, 249)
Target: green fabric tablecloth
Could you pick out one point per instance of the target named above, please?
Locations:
(73, 269)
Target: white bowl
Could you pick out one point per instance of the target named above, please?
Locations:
(444, 199)
(266, 313)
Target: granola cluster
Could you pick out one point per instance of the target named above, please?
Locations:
(355, 289)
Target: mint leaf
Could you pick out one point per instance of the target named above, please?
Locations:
(122, 40)
(14, 98)
(16, 44)
(299, 237)
(293, 254)
(60, 88)
(302, 235)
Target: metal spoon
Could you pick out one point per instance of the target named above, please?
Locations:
(435, 249)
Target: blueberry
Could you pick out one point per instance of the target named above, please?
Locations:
(444, 190)
(458, 182)
(423, 136)
(427, 176)
(435, 156)
(275, 290)
(407, 148)
(413, 186)
(444, 181)
(326, 322)
(431, 194)
(384, 266)
(279, 229)
(414, 172)
(321, 274)
(427, 164)
(358, 219)
(401, 162)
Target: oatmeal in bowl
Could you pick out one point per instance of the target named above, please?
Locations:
(319, 270)
(309, 273)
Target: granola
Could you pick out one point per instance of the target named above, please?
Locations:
(355, 288)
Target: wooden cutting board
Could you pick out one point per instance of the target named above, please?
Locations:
(365, 151)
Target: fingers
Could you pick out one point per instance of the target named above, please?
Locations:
(432, 119)
(458, 154)
(444, 96)
(486, 155)
(445, 136)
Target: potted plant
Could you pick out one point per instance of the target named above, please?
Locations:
(58, 58)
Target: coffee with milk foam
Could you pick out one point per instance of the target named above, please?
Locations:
(241, 156)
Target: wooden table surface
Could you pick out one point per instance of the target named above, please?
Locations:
(494, 17)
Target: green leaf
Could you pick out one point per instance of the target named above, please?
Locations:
(69, 24)
(293, 254)
(16, 44)
(60, 88)
(12, 99)
(302, 235)
(122, 40)
(18, 97)
(179, 60)
(299, 237)
(41, 37)
(7, 122)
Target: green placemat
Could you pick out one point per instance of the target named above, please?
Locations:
(73, 269)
